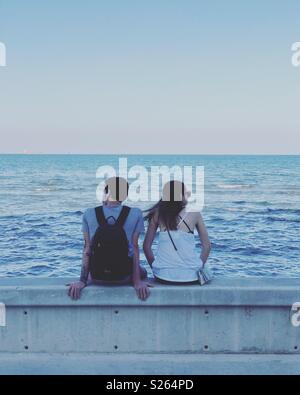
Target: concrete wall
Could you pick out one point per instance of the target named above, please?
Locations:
(242, 316)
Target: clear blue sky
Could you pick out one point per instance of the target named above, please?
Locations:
(168, 76)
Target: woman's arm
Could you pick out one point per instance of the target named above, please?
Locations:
(76, 288)
(206, 245)
(148, 241)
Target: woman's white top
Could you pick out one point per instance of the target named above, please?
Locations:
(178, 266)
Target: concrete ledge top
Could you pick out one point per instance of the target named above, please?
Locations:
(221, 292)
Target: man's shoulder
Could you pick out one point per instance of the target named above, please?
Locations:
(136, 211)
(89, 212)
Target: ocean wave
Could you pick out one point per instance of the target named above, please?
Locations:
(283, 211)
(282, 219)
(45, 189)
(31, 233)
(263, 203)
(78, 213)
(236, 209)
(263, 212)
(57, 189)
(249, 250)
(39, 269)
(235, 186)
(32, 218)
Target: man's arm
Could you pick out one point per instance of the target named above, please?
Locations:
(149, 238)
(76, 288)
(85, 268)
(141, 287)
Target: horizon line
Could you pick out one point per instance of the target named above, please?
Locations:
(146, 154)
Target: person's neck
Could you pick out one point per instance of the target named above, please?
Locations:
(113, 203)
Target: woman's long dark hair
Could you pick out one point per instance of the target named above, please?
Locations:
(171, 204)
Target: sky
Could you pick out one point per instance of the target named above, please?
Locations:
(159, 76)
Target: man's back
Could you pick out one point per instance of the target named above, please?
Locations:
(134, 222)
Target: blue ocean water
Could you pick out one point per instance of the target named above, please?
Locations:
(252, 211)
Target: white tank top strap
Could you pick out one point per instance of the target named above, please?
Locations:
(176, 264)
(182, 218)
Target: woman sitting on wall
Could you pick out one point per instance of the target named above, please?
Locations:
(176, 261)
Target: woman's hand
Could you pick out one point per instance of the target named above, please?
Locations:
(142, 289)
(75, 290)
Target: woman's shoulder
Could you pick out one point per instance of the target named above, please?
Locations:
(191, 216)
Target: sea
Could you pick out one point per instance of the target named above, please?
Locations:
(251, 210)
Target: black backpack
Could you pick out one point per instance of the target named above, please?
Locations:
(109, 259)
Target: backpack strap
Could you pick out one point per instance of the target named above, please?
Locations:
(123, 216)
(100, 216)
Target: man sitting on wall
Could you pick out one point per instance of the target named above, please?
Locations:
(111, 250)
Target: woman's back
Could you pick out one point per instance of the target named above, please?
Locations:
(176, 258)
(186, 221)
